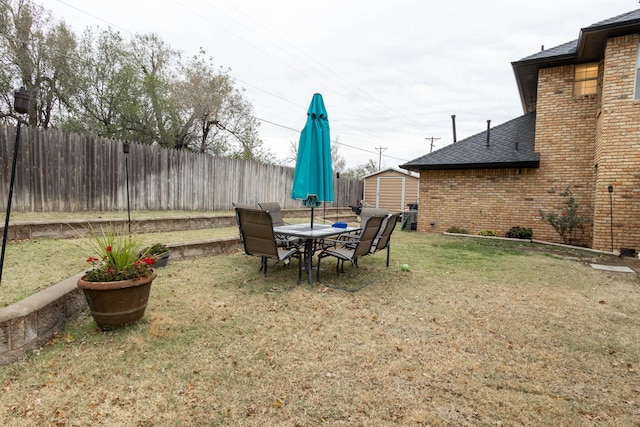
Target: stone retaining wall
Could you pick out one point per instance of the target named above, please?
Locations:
(68, 229)
(28, 324)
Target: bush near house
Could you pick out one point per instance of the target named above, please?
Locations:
(489, 233)
(567, 221)
(457, 230)
(519, 233)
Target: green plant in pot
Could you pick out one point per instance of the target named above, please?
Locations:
(118, 284)
(159, 252)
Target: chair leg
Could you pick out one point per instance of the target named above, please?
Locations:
(299, 268)
(318, 272)
(264, 266)
(388, 252)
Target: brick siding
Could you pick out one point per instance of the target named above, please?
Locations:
(585, 143)
(617, 151)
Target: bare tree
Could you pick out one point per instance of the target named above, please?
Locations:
(362, 170)
(225, 119)
(338, 162)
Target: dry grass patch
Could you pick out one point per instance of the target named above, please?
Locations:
(478, 333)
(32, 265)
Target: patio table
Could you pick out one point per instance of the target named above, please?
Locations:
(311, 236)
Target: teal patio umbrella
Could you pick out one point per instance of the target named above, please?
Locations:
(313, 176)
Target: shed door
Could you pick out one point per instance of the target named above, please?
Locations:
(390, 193)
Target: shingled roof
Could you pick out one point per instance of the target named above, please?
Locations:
(589, 47)
(510, 145)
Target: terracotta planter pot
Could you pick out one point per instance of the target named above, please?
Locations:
(115, 304)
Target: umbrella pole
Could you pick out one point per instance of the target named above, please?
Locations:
(311, 217)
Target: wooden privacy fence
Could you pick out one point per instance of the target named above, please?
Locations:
(59, 172)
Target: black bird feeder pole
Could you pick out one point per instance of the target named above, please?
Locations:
(21, 100)
(337, 194)
(610, 188)
(125, 150)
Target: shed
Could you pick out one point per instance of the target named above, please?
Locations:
(392, 188)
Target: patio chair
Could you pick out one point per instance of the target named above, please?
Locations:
(243, 206)
(365, 214)
(383, 239)
(275, 211)
(258, 239)
(351, 250)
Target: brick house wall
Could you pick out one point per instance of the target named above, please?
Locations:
(585, 143)
(565, 139)
(477, 199)
(617, 153)
(498, 199)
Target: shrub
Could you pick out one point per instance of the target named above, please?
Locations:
(156, 249)
(519, 233)
(457, 230)
(568, 223)
(490, 233)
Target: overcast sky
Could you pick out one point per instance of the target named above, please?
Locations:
(391, 73)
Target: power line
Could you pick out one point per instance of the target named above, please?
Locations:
(359, 92)
(296, 56)
(76, 58)
(257, 118)
(94, 16)
(335, 141)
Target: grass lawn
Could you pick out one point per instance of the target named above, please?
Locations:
(25, 272)
(479, 332)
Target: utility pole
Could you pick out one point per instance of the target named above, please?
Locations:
(432, 138)
(381, 150)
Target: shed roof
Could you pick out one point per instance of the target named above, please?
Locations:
(588, 47)
(510, 145)
(395, 169)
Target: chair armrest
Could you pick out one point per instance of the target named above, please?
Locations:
(329, 243)
(334, 243)
(352, 235)
(288, 242)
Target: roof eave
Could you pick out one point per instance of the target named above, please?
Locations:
(590, 47)
(529, 164)
(526, 73)
(592, 40)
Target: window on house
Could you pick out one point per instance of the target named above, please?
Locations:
(586, 79)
